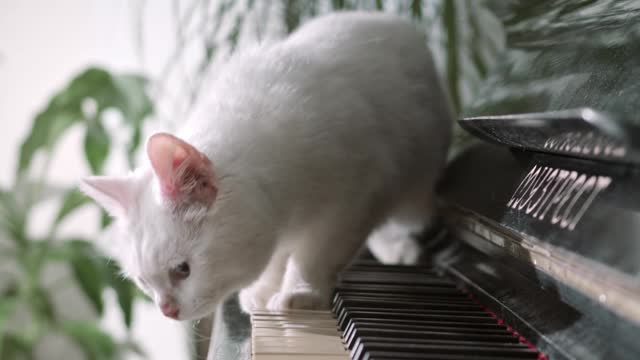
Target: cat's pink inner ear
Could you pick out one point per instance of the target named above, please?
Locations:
(183, 172)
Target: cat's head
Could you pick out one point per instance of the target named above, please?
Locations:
(166, 217)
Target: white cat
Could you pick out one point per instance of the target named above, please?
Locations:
(299, 151)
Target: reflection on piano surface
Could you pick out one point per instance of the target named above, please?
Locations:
(538, 250)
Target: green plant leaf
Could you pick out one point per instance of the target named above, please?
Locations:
(338, 4)
(133, 101)
(12, 218)
(47, 128)
(133, 145)
(125, 291)
(95, 272)
(105, 219)
(291, 14)
(135, 105)
(27, 193)
(95, 343)
(16, 203)
(88, 271)
(96, 146)
(72, 200)
(14, 348)
(41, 305)
(84, 99)
(65, 250)
(88, 275)
(416, 9)
(234, 34)
(7, 308)
(449, 16)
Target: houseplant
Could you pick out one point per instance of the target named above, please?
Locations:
(28, 315)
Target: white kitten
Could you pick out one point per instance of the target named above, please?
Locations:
(298, 152)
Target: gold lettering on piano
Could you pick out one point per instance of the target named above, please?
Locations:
(558, 196)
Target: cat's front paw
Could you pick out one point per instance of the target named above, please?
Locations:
(298, 300)
(255, 297)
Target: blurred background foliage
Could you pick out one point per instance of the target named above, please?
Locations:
(27, 312)
(463, 35)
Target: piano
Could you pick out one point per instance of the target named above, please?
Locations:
(536, 253)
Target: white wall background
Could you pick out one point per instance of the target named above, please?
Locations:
(42, 44)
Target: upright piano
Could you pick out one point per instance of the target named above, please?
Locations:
(536, 254)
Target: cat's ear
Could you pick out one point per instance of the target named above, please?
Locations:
(113, 193)
(185, 175)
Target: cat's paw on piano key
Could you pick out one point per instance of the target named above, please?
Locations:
(298, 300)
(255, 297)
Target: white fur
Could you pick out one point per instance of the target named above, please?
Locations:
(315, 141)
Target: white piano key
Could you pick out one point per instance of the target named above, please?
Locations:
(298, 324)
(289, 335)
(309, 333)
(308, 348)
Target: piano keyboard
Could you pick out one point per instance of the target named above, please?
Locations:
(389, 312)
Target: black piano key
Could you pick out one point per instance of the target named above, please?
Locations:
(461, 324)
(408, 322)
(448, 357)
(380, 274)
(488, 330)
(386, 280)
(350, 334)
(386, 295)
(398, 288)
(466, 351)
(359, 348)
(431, 334)
(406, 312)
(374, 302)
(463, 351)
(399, 341)
(401, 297)
(381, 355)
(416, 278)
(409, 305)
(395, 268)
(427, 271)
(404, 278)
(347, 314)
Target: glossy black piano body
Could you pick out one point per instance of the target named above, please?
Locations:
(541, 215)
(553, 243)
(548, 204)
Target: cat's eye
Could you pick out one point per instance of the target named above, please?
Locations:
(180, 272)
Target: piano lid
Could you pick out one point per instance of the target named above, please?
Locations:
(568, 82)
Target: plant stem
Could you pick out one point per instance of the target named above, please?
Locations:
(32, 268)
(450, 21)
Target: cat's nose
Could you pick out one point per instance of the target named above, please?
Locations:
(170, 308)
